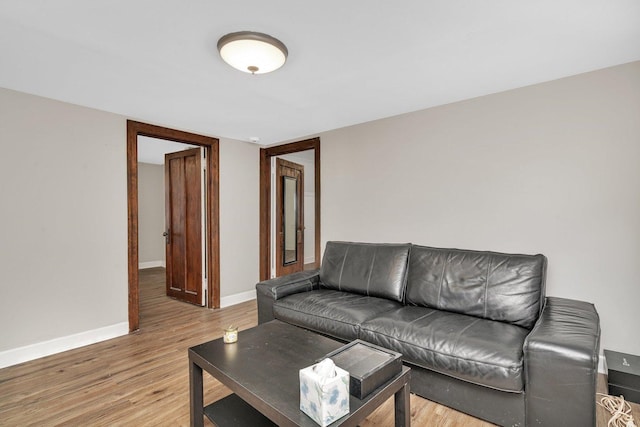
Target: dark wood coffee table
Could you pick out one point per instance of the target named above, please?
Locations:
(262, 370)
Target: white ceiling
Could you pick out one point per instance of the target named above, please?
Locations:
(349, 61)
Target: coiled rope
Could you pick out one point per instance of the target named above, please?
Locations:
(619, 409)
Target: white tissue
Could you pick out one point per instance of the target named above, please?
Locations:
(325, 369)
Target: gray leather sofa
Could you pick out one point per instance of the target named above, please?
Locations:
(475, 327)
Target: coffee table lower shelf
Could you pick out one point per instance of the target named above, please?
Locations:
(232, 411)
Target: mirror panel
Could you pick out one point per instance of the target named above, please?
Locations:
(290, 220)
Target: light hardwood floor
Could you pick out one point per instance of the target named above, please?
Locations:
(142, 379)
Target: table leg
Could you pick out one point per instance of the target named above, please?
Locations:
(402, 408)
(195, 395)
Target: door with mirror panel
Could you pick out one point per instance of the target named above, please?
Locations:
(289, 217)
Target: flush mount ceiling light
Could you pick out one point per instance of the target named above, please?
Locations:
(252, 52)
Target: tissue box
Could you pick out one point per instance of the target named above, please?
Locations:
(324, 400)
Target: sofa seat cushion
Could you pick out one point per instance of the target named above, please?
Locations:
(335, 313)
(472, 349)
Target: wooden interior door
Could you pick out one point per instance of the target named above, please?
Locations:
(183, 213)
(289, 217)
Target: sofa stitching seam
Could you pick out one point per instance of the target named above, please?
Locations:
(486, 286)
(422, 317)
(444, 267)
(460, 332)
(344, 260)
(373, 261)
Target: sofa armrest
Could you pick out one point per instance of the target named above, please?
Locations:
(561, 364)
(268, 291)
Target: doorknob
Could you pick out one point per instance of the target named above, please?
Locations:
(166, 236)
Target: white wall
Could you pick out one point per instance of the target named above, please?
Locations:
(63, 221)
(552, 168)
(151, 215)
(239, 220)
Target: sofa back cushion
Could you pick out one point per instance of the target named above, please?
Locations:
(377, 270)
(496, 286)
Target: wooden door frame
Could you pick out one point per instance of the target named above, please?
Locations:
(212, 237)
(265, 198)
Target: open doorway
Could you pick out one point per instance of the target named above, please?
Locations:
(305, 234)
(211, 209)
(292, 213)
(171, 216)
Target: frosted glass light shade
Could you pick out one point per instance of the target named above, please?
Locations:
(251, 52)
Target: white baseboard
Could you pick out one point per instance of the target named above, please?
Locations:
(602, 365)
(309, 260)
(237, 298)
(151, 264)
(58, 345)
